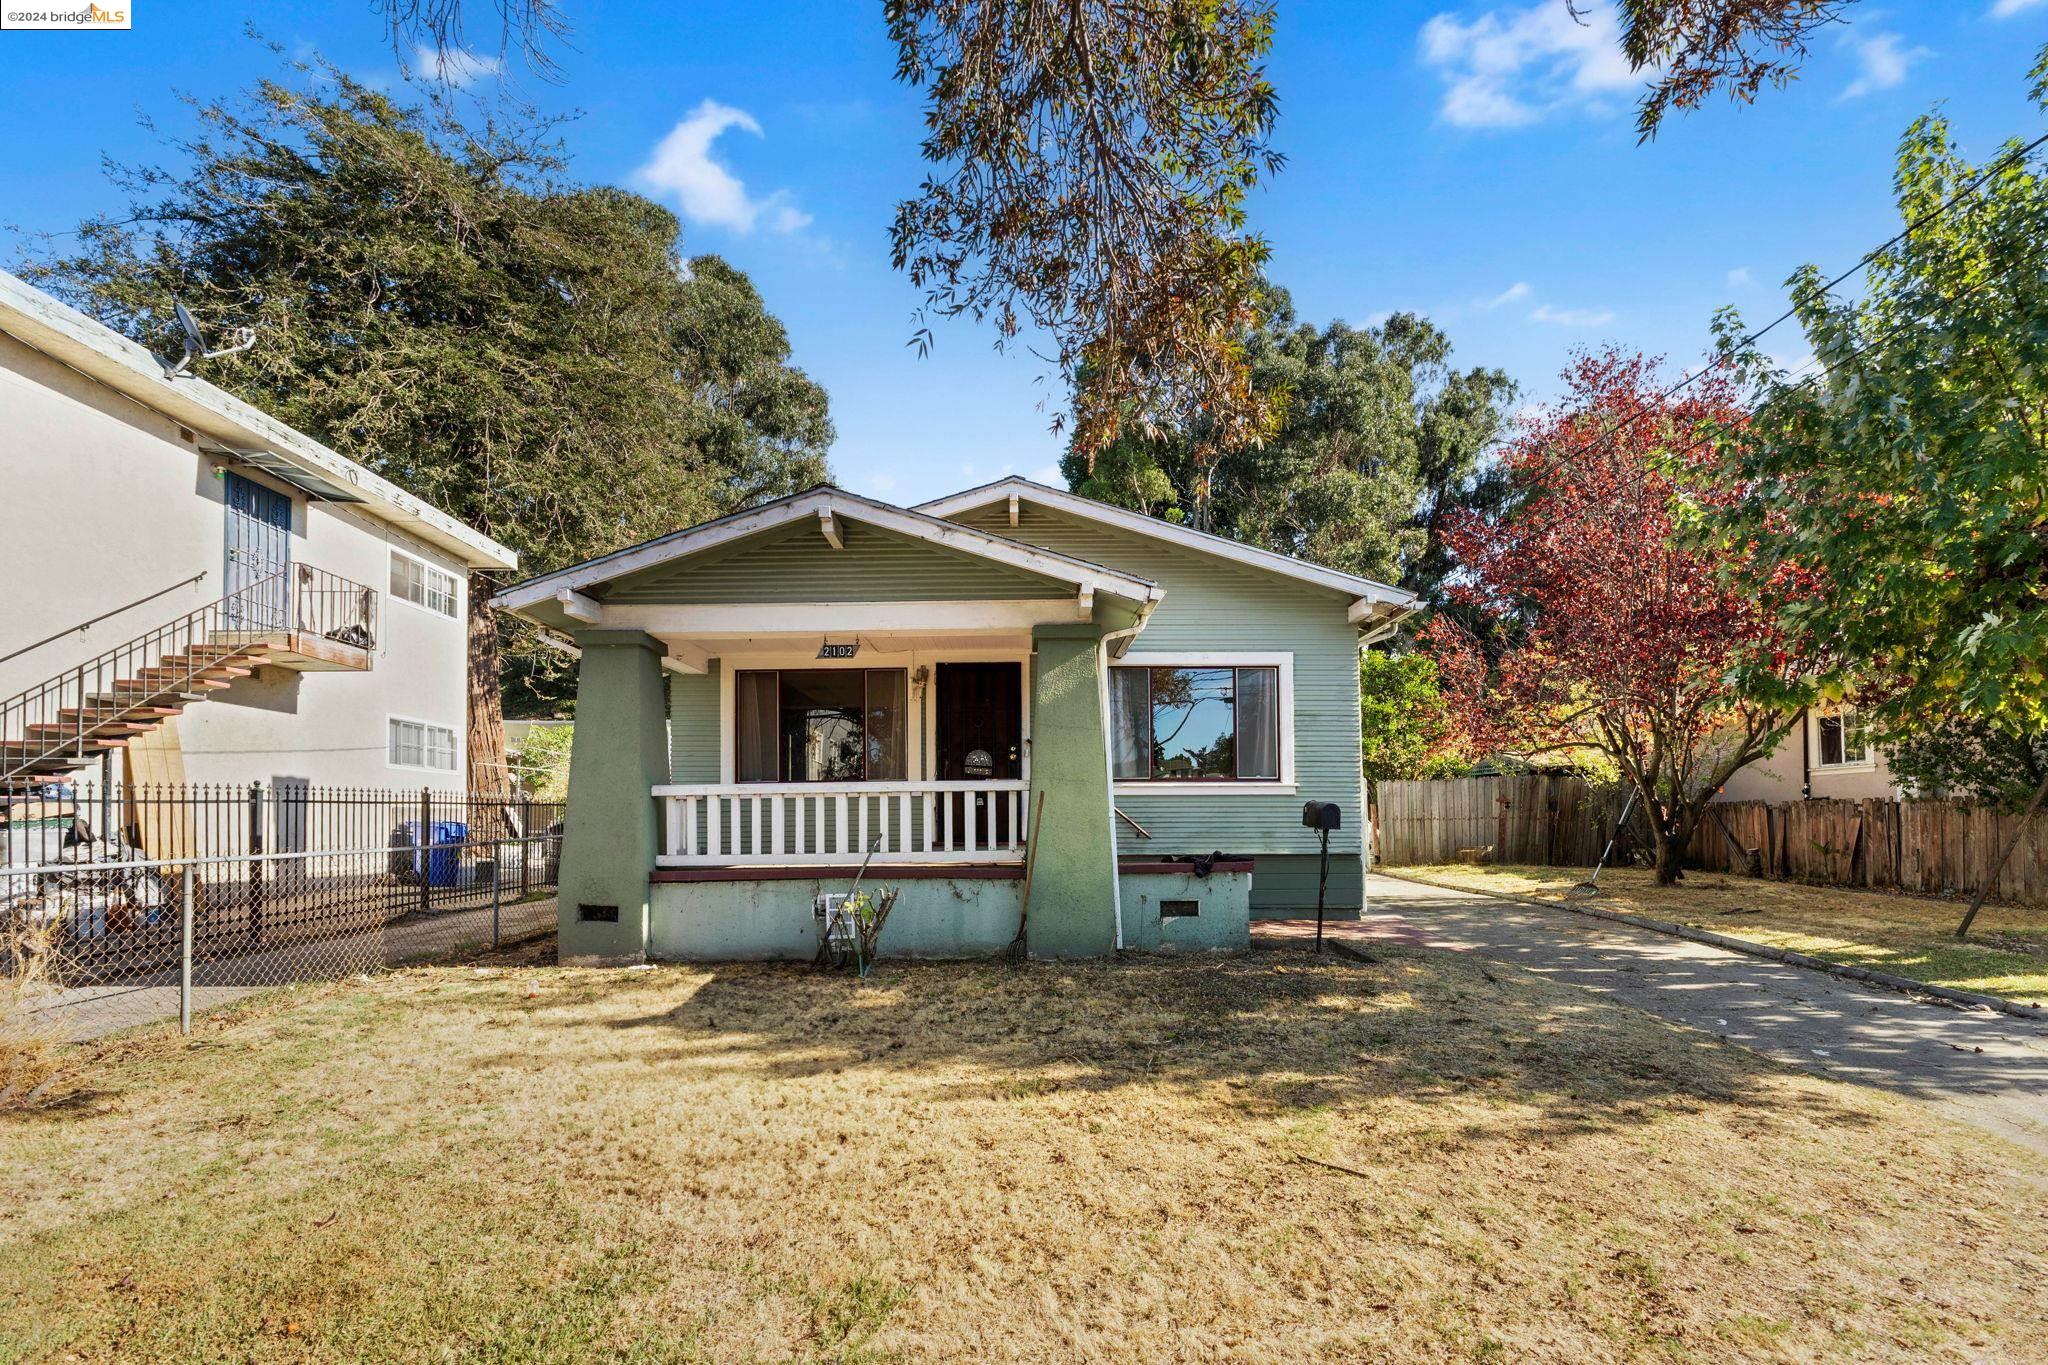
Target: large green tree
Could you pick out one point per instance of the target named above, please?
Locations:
(437, 300)
(1379, 437)
(1906, 484)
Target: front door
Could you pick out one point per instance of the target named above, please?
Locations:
(259, 550)
(980, 738)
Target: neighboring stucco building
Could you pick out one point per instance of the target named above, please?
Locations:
(1827, 755)
(765, 699)
(198, 593)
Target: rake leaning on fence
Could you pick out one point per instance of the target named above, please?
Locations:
(236, 889)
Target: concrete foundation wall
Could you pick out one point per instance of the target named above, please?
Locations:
(773, 920)
(1223, 923)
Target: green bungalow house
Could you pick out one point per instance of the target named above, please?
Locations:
(764, 699)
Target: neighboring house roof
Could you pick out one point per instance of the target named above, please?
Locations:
(824, 504)
(1381, 603)
(246, 433)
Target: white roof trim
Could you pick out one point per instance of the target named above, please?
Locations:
(1382, 595)
(104, 355)
(815, 503)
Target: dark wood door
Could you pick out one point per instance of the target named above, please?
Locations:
(980, 725)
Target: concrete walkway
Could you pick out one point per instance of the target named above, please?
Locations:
(1982, 1067)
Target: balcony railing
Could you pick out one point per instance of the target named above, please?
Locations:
(793, 823)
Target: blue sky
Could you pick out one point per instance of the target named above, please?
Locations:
(1473, 162)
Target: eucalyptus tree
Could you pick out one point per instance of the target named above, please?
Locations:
(1379, 437)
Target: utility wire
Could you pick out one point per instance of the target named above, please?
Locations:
(1868, 258)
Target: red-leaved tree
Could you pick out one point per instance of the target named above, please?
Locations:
(1609, 635)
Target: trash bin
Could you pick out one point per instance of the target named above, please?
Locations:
(444, 855)
(440, 864)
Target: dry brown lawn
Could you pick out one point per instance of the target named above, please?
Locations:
(1259, 1158)
(1912, 936)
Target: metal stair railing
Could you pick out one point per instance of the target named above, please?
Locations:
(136, 684)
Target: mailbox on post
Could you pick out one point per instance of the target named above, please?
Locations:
(1322, 817)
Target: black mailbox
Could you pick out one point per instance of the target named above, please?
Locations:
(1323, 815)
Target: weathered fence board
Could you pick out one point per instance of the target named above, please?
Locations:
(1540, 819)
(1926, 847)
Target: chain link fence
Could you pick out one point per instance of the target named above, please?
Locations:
(126, 905)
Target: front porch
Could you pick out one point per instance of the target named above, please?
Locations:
(766, 703)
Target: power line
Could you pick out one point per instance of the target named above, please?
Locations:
(1864, 262)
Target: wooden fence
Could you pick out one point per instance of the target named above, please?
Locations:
(1926, 847)
(1930, 848)
(1542, 820)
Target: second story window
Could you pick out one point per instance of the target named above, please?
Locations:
(423, 585)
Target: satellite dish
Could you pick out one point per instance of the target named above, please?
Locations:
(195, 341)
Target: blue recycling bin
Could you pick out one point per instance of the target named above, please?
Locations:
(440, 863)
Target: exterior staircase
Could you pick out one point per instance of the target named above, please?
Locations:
(301, 618)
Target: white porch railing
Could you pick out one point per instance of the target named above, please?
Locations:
(782, 823)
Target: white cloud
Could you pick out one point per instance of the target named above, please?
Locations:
(1882, 63)
(1049, 475)
(2006, 9)
(1512, 67)
(456, 66)
(1572, 317)
(1514, 293)
(1740, 278)
(682, 166)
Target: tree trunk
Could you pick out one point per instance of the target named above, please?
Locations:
(1670, 855)
(488, 771)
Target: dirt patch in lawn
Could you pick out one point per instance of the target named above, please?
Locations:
(1912, 936)
(1260, 1157)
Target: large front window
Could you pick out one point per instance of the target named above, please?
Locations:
(1195, 724)
(820, 725)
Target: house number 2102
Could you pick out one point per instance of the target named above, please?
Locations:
(832, 651)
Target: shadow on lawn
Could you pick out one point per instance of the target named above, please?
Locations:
(1264, 1034)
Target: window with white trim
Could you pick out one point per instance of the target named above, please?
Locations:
(1195, 723)
(1841, 740)
(423, 585)
(416, 744)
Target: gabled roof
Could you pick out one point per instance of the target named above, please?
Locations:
(824, 503)
(245, 433)
(1381, 601)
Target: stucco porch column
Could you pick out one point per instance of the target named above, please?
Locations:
(620, 753)
(1073, 885)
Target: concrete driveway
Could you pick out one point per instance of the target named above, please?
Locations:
(1979, 1066)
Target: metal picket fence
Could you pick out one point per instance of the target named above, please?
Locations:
(130, 905)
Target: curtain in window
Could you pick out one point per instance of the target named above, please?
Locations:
(1130, 722)
(754, 711)
(887, 713)
(1258, 723)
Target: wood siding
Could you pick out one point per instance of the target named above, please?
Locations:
(795, 564)
(693, 726)
(1213, 605)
